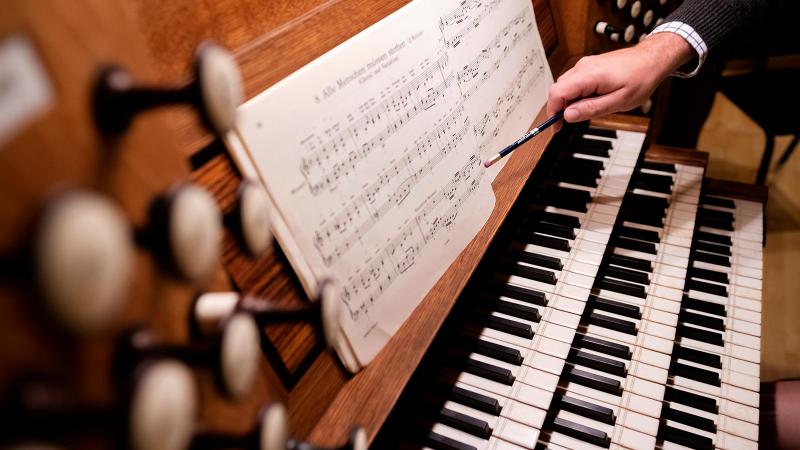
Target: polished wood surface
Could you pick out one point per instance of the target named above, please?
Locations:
(320, 395)
(270, 40)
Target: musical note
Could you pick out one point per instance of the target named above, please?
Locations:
(373, 153)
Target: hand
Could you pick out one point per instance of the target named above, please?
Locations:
(617, 81)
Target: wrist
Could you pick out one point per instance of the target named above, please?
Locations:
(667, 52)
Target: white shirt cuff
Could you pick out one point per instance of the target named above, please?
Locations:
(690, 35)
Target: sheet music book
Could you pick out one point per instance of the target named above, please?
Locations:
(372, 154)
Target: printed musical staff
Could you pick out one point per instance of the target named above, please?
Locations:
(472, 76)
(390, 188)
(531, 70)
(438, 214)
(470, 13)
(325, 164)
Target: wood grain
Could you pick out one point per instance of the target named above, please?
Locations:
(663, 153)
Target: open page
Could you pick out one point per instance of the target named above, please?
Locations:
(372, 154)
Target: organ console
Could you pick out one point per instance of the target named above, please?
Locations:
(612, 299)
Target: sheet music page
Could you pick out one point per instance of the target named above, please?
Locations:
(373, 153)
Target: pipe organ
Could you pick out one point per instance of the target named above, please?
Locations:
(612, 299)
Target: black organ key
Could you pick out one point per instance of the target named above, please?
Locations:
(557, 218)
(572, 163)
(553, 230)
(603, 346)
(706, 274)
(697, 356)
(493, 350)
(531, 273)
(715, 214)
(711, 237)
(580, 178)
(592, 143)
(488, 371)
(635, 290)
(654, 182)
(653, 218)
(519, 293)
(509, 326)
(712, 248)
(710, 258)
(647, 202)
(704, 306)
(592, 380)
(475, 400)
(715, 323)
(698, 334)
(612, 323)
(694, 373)
(536, 259)
(572, 199)
(598, 362)
(465, 423)
(638, 233)
(685, 438)
(603, 132)
(716, 201)
(661, 167)
(709, 288)
(676, 415)
(634, 276)
(612, 306)
(438, 442)
(588, 150)
(581, 432)
(701, 402)
(632, 244)
(547, 241)
(631, 262)
(517, 310)
(711, 222)
(586, 409)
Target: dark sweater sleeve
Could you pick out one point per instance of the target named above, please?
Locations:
(721, 23)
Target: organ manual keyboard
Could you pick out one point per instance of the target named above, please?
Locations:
(612, 298)
(620, 309)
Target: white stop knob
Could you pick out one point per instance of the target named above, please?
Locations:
(329, 292)
(636, 9)
(221, 86)
(630, 32)
(254, 217)
(358, 439)
(621, 3)
(194, 232)
(163, 408)
(211, 309)
(648, 17)
(274, 428)
(239, 354)
(84, 259)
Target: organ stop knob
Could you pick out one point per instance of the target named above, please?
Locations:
(215, 92)
(163, 407)
(612, 32)
(186, 228)
(213, 308)
(636, 9)
(233, 354)
(83, 259)
(647, 19)
(157, 412)
(251, 218)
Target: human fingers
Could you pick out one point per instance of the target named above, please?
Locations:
(592, 107)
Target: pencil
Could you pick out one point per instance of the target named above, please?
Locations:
(543, 126)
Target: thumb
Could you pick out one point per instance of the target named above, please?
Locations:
(590, 108)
